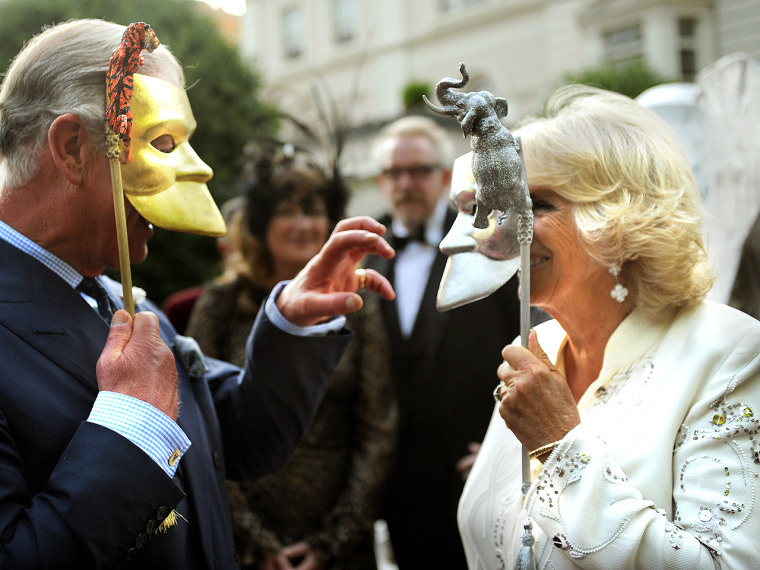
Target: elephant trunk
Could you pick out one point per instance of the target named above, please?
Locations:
(447, 97)
(445, 85)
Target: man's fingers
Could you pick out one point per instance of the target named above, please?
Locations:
(360, 223)
(119, 334)
(335, 304)
(297, 549)
(137, 362)
(326, 286)
(365, 242)
(146, 325)
(377, 283)
(118, 338)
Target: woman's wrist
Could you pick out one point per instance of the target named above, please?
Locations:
(542, 453)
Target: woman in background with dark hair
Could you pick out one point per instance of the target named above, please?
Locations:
(318, 511)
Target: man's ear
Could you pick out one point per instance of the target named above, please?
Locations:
(66, 139)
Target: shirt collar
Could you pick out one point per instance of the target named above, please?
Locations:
(631, 340)
(56, 265)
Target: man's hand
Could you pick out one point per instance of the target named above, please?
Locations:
(135, 361)
(327, 286)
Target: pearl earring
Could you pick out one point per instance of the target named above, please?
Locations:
(619, 293)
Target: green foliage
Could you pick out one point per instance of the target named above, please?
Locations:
(630, 79)
(413, 93)
(222, 91)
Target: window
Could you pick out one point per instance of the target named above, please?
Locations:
(293, 32)
(687, 28)
(623, 45)
(344, 20)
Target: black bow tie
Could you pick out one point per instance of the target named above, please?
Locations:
(400, 243)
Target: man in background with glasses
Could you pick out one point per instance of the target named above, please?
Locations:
(444, 364)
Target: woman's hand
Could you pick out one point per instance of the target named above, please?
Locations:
(536, 401)
(464, 465)
(327, 286)
(298, 556)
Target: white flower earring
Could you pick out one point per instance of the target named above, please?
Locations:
(619, 292)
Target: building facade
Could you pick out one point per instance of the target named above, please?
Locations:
(359, 55)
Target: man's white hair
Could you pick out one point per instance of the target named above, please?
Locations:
(61, 70)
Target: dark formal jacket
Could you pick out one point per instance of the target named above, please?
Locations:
(77, 495)
(328, 493)
(445, 374)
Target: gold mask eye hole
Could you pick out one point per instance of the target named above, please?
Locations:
(164, 143)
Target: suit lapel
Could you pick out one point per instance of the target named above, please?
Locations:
(430, 322)
(386, 267)
(41, 308)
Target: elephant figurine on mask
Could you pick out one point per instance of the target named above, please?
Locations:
(496, 164)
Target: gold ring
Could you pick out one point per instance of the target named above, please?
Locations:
(497, 392)
(362, 275)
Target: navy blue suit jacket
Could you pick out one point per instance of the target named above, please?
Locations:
(77, 495)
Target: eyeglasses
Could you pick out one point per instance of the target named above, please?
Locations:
(308, 205)
(415, 172)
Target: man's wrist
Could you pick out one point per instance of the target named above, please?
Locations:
(333, 326)
(147, 427)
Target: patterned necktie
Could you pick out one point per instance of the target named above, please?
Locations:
(93, 288)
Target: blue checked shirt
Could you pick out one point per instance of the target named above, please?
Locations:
(144, 425)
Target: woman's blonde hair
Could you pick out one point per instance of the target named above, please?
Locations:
(635, 200)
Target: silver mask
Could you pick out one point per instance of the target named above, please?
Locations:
(480, 260)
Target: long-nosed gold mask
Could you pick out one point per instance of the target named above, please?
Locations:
(165, 180)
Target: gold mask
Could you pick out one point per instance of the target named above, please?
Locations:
(165, 180)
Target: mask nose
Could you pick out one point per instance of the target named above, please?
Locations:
(191, 167)
(459, 239)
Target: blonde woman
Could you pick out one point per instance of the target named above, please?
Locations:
(640, 401)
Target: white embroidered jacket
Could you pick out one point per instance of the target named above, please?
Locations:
(662, 472)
